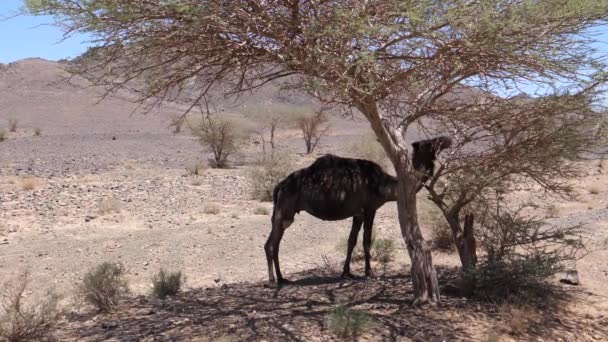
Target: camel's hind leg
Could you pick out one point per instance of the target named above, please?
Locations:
(280, 222)
(352, 241)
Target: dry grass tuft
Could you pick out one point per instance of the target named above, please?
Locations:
(2, 134)
(12, 124)
(517, 316)
(129, 164)
(20, 322)
(28, 183)
(196, 168)
(212, 209)
(594, 190)
(104, 286)
(552, 210)
(37, 131)
(261, 211)
(107, 206)
(167, 284)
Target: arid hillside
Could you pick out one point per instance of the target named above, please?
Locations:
(85, 180)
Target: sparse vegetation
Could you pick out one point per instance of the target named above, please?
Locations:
(552, 210)
(28, 183)
(313, 126)
(261, 211)
(129, 164)
(517, 316)
(383, 250)
(21, 322)
(196, 168)
(107, 206)
(196, 181)
(12, 124)
(37, 131)
(212, 209)
(268, 174)
(104, 286)
(441, 235)
(520, 253)
(2, 134)
(222, 136)
(346, 323)
(166, 284)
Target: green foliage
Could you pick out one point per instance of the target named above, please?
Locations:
(104, 286)
(21, 322)
(345, 322)
(221, 136)
(166, 284)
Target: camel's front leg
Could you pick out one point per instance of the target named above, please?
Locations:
(352, 241)
(368, 223)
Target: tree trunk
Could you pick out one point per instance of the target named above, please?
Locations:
(464, 239)
(424, 276)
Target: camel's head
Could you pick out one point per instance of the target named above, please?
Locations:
(425, 152)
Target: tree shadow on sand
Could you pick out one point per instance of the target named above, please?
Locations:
(252, 312)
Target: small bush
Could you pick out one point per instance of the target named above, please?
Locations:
(19, 322)
(594, 190)
(166, 284)
(261, 211)
(196, 169)
(551, 210)
(37, 131)
(313, 127)
(12, 124)
(383, 250)
(267, 175)
(28, 183)
(104, 286)
(108, 205)
(2, 134)
(196, 182)
(129, 164)
(222, 136)
(212, 209)
(346, 323)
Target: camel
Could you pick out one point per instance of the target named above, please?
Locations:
(335, 188)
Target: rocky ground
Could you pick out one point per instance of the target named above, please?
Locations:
(101, 185)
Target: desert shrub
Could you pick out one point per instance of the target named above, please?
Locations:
(346, 323)
(261, 211)
(166, 284)
(313, 126)
(129, 164)
(267, 175)
(368, 148)
(520, 252)
(222, 136)
(517, 316)
(107, 206)
(2, 134)
(551, 210)
(37, 131)
(196, 168)
(196, 181)
(28, 183)
(12, 124)
(594, 190)
(21, 322)
(212, 209)
(383, 250)
(104, 286)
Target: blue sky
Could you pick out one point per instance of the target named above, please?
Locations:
(27, 36)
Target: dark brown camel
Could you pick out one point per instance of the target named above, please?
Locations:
(335, 188)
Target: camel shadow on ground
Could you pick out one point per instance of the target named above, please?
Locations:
(299, 311)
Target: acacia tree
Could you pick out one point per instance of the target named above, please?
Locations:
(396, 61)
(505, 145)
